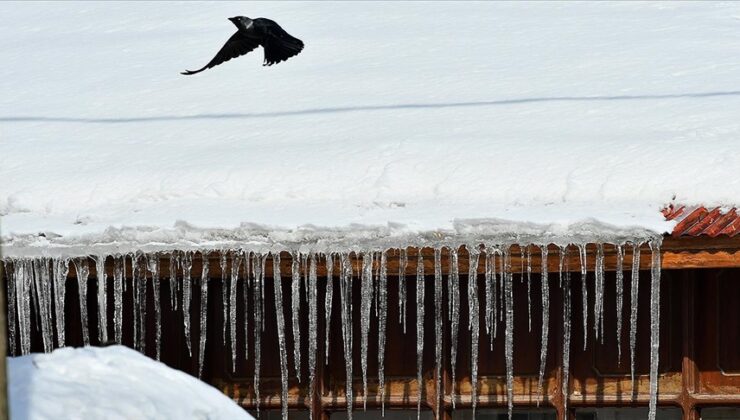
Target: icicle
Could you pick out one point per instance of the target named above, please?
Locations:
(153, 264)
(173, 280)
(118, 279)
(494, 297)
(438, 327)
(545, 320)
(23, 280)
(43, 291)
(61, 269)
(633, 308)
(141, 287)
(83, 271)
(102, 281)
(313, 326)
(203, 315)
(10, 279)
(245, 300)
(454, 303)
(187, 265)
(599, 291)
(529, 288)
(328, 302)
(565, 281)
(489, 294)
(584, 293)
(224, 295)
(473, 322)
(419, 329)
(620, 299)
(509, 337)
(402, 264)
(277, 283)
(141, 292)
(135, 292)
(500, 287)
(236, 260)
(259, 276)
(654, 326)
(382, 320)
(345, 283)
(366, 300)
(295, 298)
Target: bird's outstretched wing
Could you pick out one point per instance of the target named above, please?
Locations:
(279, 45)
(237, 45)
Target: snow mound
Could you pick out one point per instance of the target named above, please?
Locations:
(109, 383)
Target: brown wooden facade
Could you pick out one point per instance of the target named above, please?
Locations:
(699, 351)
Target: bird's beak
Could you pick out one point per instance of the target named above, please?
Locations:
(233, 19)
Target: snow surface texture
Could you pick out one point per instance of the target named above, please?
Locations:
(398, 121)
(109, 383)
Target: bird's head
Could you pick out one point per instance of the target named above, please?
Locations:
(241, 22)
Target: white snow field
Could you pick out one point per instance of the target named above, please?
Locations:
(398, 122)
(109, 383)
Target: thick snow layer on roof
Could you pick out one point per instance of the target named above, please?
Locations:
(109, 383)
(398, 119)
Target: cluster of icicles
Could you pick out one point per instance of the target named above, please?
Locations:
(40, 282)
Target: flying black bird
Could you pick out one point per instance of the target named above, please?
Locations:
(278, 44)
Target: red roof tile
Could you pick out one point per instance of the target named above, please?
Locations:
(701, 221)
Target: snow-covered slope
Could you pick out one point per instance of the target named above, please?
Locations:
(109, 383)
(397, 119)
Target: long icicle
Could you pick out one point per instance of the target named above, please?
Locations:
(382, 320)
(236, 259)
(187, 266)
(489, 305)
(23, 278)
(634, 295)
(599, 291)
(83, 271)
(280, 317)
(313, 321)
(438, 318)
(654, 326)
(345, 283)
(61, 269)
(620, 299)
(545, 320)
(203, 315)
(245, 299)
(566, 288)
(509, 334)
(135, 282)
(43, 291)
(473, 322)
(454, 303)
(224, 294)
(258, 277)
(10, 282)
(102, 282)
(153, 263)
(118, 279)
(295, 299)
(328, 303)
(402, 289)
(419, 330)
(366, 301)
(529, 289)
(584, 292)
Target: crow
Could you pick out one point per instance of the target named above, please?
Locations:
(251, 33)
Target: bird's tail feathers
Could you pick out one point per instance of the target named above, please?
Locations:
(277, 50)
